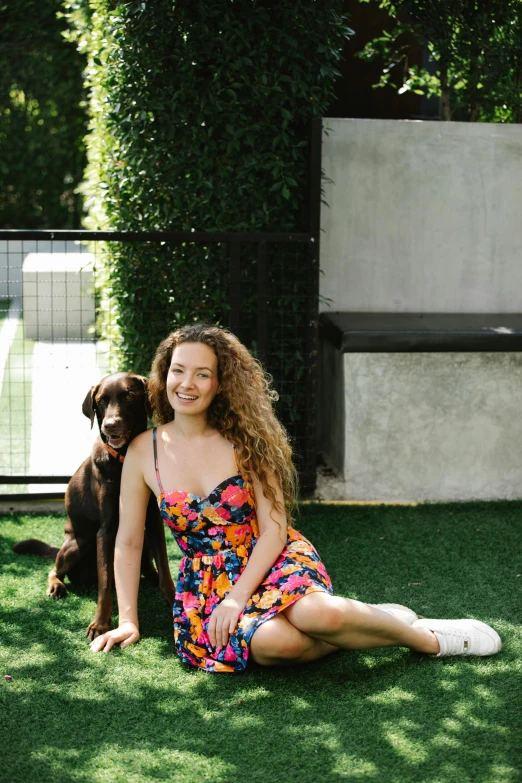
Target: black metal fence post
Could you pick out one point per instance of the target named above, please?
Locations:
(314, 189)
(235, 287)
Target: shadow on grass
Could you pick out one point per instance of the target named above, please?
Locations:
(398, 717)
(387, 715)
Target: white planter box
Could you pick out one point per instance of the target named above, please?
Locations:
(58, 296)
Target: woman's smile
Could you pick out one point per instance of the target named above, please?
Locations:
(192, 381)
(186, 397)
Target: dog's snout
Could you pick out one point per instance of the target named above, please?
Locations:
(112, 424)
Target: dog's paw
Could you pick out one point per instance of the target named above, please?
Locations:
(56, 589)
(96, 629)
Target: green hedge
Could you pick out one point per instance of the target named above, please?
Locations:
(200, 116)
(42, 119)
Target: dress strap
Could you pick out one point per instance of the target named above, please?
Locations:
(156, 466)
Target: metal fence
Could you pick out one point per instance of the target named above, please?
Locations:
(57, 313)
(53, 294)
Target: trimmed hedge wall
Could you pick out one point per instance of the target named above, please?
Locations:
(200, 120)
(42, 119)
(200, 111)
(200, 117)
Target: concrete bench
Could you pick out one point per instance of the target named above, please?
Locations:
(58, 296)
(421, 407)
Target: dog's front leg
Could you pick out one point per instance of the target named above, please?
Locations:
(66, 558)
(156, 539)
(105, 561)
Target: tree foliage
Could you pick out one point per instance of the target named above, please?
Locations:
(475, 50)
(42, 119)
(200, 120)
(200, 116)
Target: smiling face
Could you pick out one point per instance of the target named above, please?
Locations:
(192, 380)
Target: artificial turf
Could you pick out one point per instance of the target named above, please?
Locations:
(388, 715)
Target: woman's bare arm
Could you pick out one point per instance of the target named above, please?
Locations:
(134, 497)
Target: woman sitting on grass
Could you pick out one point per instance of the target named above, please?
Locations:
(249, 585)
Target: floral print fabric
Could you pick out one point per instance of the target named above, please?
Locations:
(217, 535)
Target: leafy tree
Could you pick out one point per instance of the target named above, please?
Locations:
(475, 50)
(199, 120)
(42, 119)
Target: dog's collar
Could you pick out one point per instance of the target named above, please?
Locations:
(113, 452)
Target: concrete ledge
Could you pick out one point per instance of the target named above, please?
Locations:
(329, 488)
(385, 332)
(28, 506)
(421, 426)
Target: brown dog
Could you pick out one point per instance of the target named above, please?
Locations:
(120, 404)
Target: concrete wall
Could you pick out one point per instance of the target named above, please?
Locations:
(422, 216)
(422, 426)
(331, 418)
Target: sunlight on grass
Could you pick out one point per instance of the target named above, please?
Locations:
(123, 765)
(299, 703)
(353, 768)
(391, 695)
(501, 773)
(385, 716)
(445, 740)
(399, 736)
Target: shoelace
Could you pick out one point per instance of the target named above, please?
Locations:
(453, 641)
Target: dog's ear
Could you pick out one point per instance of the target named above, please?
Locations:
(89, 405)
(145, 382)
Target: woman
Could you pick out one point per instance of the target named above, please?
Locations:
(249, 584)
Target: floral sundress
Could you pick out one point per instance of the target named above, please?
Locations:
(217, 534)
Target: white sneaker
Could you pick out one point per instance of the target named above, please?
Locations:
(402, 612)
(463, 637)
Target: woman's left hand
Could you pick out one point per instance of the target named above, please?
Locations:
(223, 621)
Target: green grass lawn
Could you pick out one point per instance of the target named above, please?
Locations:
(389, 715)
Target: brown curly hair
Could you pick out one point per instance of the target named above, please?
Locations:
(242, 411)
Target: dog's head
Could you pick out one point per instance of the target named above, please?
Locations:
(120, 403)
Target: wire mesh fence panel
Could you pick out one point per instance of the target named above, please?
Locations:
(49, 358)
(279, 324)
(75, 306)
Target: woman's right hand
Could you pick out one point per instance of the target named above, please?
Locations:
(126, 634)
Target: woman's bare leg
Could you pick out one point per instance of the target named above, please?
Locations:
(353, 625)
(279, 642)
